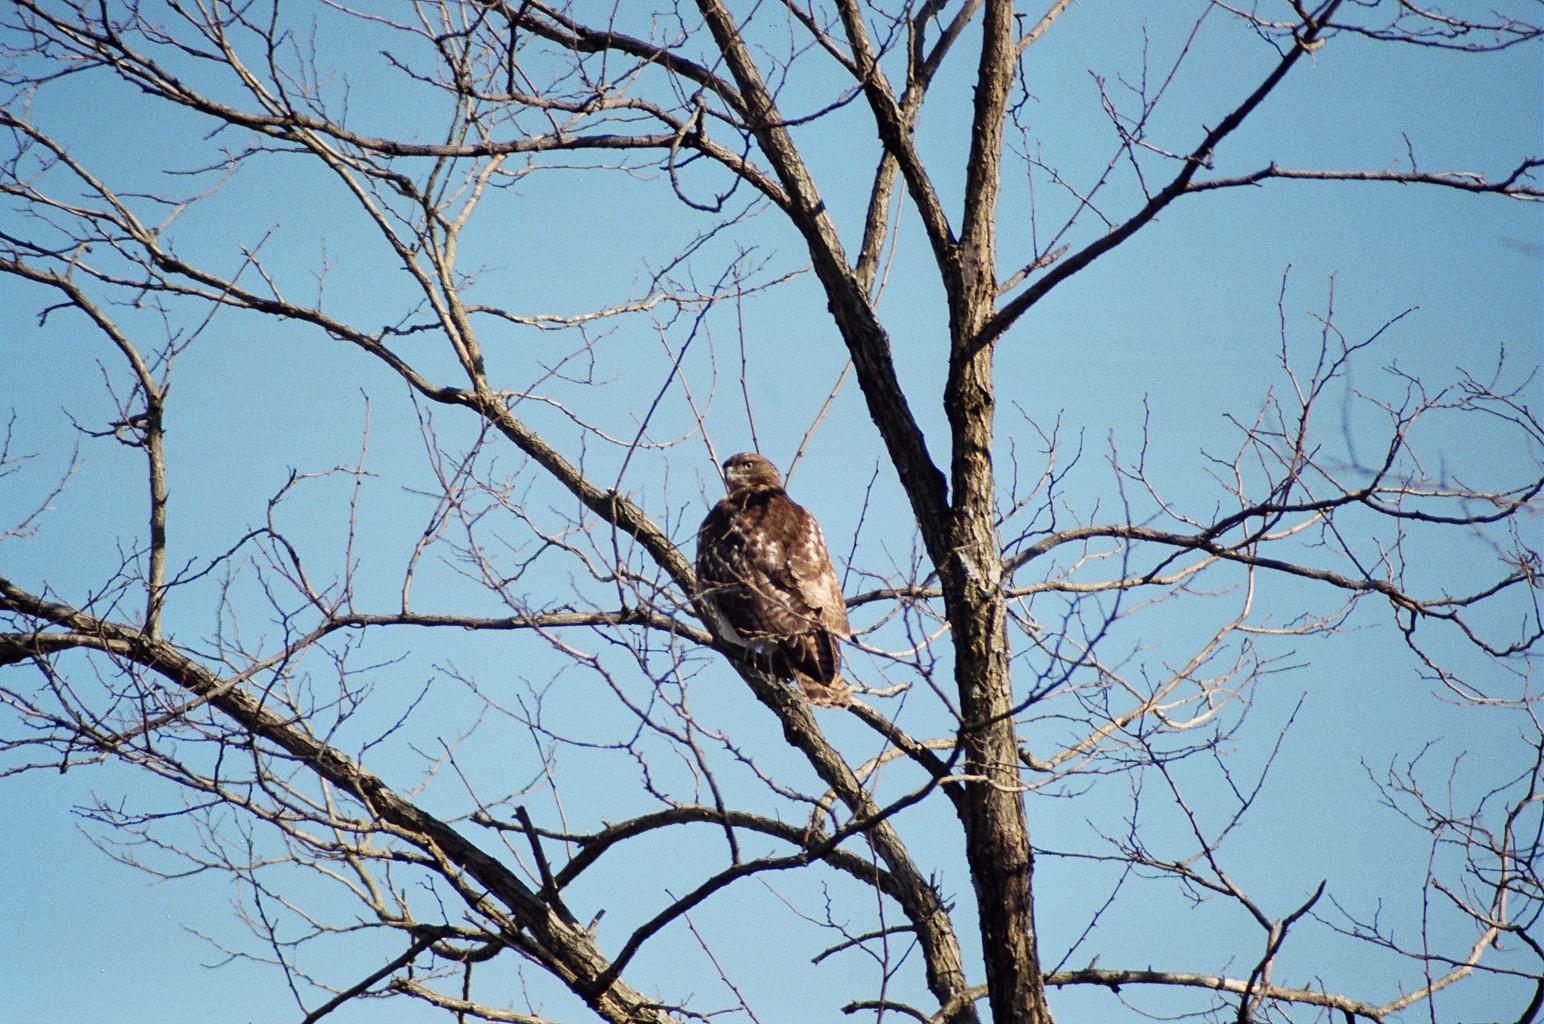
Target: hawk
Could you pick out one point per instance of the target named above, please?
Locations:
(764, 575)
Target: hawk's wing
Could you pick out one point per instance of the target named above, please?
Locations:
(810, 573)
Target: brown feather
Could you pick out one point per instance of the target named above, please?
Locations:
(764, 573)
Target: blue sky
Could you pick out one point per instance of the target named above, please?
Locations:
(1173, 332)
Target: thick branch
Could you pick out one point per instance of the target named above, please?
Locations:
(865, 337)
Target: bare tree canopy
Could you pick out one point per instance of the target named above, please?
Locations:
(1164, 377)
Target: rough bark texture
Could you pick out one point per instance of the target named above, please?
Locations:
(996, 829)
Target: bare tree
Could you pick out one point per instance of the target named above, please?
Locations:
(329, 685)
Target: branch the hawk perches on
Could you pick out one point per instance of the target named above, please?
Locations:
(764, 574)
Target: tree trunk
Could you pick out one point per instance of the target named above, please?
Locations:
(992, 811)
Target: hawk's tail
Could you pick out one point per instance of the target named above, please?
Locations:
(835, 694)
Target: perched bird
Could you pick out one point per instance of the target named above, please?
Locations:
(765, 576)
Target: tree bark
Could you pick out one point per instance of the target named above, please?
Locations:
(992, 811)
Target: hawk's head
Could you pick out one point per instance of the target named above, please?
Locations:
(747, 470)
